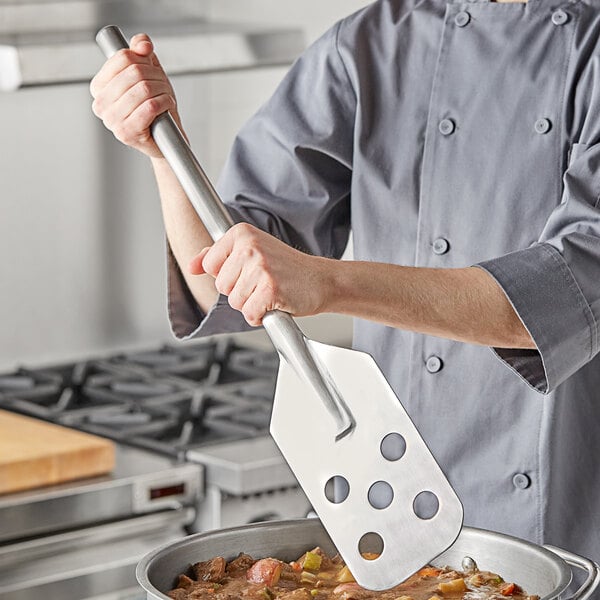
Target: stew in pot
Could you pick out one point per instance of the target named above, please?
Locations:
(316, 576)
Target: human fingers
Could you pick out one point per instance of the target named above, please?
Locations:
(229, 275)
(140, 52)
(195, 267)
(128, 89)
(220, 251)
(141, 44)
(132, 81)
(260, 301)
(242, 283)
(134, 131)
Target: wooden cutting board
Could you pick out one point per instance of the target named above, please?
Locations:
(34, 453)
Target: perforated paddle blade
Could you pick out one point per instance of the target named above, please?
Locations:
(367, 487)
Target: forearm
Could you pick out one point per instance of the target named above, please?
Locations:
(185, 232)
(466, 305)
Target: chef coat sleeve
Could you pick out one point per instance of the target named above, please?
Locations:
(554, 285)
(288, 173)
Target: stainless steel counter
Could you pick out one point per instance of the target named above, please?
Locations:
(83, 539)
(123, 493)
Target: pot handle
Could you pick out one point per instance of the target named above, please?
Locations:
(585, 564)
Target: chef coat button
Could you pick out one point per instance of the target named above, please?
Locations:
(434, 364)
(542, 125)
(440, 246)
(446, 126)
(559, 17)
(521, 481)
(462, 18)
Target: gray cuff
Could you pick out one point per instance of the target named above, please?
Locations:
(541, 288)
(185, 316)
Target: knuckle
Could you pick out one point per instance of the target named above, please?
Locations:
(247, 252)
(144, 88)
(152, 105)
(135, 71)
(243, 229)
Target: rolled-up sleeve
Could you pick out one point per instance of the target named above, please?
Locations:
(554, 285)
(289, 173)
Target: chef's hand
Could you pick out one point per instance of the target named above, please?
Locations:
(260, 273)
(130, 91)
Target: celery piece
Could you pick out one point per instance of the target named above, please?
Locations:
(267, 593)
(307, 577)
(312, 561)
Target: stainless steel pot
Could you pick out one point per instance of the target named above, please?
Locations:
(545, 571)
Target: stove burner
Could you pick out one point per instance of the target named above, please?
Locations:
(16, 382)
(169, 400)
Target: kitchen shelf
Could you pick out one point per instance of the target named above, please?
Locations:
(197, 46)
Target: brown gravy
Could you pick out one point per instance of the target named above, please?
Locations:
(316, 576)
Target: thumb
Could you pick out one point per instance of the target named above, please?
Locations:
(142, 44)
(195, 266)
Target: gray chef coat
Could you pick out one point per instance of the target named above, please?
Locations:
(448, 134)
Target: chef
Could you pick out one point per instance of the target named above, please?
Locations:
(460, 142)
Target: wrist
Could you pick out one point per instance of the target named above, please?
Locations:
(336, 290)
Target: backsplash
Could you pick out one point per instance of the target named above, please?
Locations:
(81, 233)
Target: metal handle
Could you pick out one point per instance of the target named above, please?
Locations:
(592, 581)
(281, 327)
(178, 154)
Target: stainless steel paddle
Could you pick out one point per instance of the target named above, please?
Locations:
(353, 448)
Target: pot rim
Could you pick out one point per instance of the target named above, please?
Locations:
(144, 564)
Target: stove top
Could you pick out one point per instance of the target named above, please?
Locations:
(171, 399)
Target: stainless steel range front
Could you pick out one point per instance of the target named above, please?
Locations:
(193, 454)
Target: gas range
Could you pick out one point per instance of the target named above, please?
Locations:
(193, 453)
(169, 400)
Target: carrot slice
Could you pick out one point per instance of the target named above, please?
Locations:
(508, 590)
(429, 572)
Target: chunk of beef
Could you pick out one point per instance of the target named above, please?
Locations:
(184, 582)
(297, 594)
(351, 591)
(241, 563)
(199, 593)
(210, 570)
(290, 574)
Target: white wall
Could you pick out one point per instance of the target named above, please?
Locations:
(81, 241)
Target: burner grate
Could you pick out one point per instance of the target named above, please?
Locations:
(170, 399)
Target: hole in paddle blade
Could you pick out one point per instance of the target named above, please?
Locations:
(380, 495)
(426, 505)
(370, 546)
(337, 489)
(393, 446)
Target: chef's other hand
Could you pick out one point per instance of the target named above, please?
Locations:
(259, 273)
(130, 91)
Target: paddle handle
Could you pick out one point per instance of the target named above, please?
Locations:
(281, 327)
